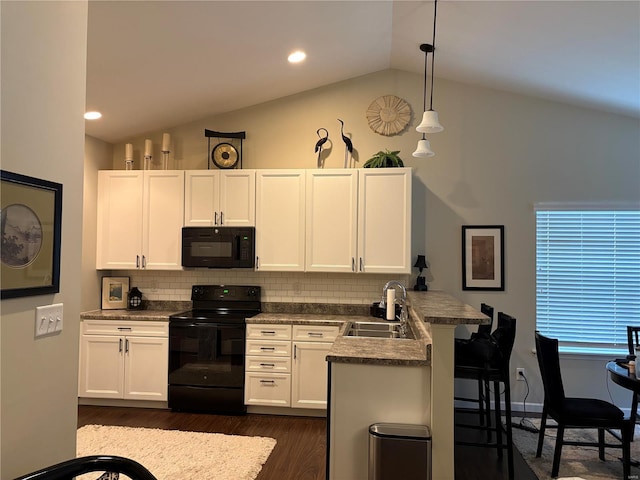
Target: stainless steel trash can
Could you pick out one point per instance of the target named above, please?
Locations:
(399, 451)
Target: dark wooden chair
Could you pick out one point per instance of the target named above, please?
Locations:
(94, 463)
(633, 340)
(490, 362)
(483, 397)
(572, 412)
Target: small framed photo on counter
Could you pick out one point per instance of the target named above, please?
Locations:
(483, 257)
(114, 292)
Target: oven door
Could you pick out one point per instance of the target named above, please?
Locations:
(206, 354)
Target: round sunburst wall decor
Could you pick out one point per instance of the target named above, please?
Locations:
(388, 115)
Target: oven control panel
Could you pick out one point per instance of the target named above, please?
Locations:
(225, 292)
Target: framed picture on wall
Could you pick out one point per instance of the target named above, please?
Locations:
(483, 257)
(31, 212)
(114, 292)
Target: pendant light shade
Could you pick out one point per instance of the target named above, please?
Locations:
(424, 149)
(430, 123)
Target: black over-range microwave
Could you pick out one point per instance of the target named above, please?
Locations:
(218, 247)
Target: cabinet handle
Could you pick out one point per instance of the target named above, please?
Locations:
(295, 352)
(267, 332)
(122, 329)
(257, 263)
(120, 346)
(268, 349)
(126, 346)
(215, 218)
(137, 261)
(353, 264)
(272, 365)
(315, 334)
(221, 218)
(144, 261)
(361, 265)
(267, 382)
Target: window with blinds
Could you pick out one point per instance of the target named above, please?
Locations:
(587, 277)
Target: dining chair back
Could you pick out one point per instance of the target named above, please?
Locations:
(485, 330)
(573, 412)
(633, 338)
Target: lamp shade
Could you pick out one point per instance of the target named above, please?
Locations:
(430, 123)
(421, 262)
(424, 149)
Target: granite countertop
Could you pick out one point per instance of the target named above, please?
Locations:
(137, 315)
(437, 307)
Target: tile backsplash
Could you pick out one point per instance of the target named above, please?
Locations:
(294, 287)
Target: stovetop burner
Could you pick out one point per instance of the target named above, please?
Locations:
(222, 303)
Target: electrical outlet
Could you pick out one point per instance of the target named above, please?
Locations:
(520, 374)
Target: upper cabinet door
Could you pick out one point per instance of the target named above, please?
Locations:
(162, 217)
(384, 220)
(238, 198)
(331, 220)
(202, 188)
(119, 219)
(280, 220)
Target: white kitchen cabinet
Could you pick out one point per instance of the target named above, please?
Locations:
(140, 217)
(384, 220)
(359, 220)
(123, 360)
(268, 360)
(280, 220)
(309, 366)
(220, 197)
(331, 220)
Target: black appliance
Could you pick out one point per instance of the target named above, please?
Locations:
(207, 349)
(218, 247)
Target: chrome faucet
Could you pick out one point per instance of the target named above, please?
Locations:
(403, 303)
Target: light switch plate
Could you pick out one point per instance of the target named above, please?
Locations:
(49, 319)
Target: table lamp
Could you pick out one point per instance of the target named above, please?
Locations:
(420, 285)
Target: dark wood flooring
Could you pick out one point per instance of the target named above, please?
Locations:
(300, 451)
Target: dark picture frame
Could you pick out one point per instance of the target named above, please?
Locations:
(31, 227)
(483, 257)
(114, 293)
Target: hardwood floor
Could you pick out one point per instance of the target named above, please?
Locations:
(300, 451)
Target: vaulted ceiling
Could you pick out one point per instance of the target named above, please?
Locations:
(155, 64)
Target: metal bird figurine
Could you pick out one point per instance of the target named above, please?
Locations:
(347, 143)
(320, 143)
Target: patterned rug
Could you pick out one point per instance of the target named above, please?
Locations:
(174, 454)
(575, 462)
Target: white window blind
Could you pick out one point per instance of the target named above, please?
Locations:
(587, 276)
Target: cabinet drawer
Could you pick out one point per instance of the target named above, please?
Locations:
(269, 347)
(317, 333)
(125, 327)
(267, 389)
(267, 364)
(275, 332)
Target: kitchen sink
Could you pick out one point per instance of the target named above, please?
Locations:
(377, 330)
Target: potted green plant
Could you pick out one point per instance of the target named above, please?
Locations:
(384, 158)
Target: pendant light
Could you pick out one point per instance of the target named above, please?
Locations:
(430, 122)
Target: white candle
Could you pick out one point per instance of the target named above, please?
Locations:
(128, 151)
(391, 304)
(148, 148)
(165, 142)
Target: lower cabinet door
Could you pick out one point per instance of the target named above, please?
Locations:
(146, 368)
(309, 375)
(271, 389)
(101, 366)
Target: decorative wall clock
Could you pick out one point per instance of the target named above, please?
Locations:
(388, 115)
(225, 154)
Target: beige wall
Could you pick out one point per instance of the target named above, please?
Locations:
(43, 92)
(500, 154)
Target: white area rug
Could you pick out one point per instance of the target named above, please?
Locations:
(174, 454)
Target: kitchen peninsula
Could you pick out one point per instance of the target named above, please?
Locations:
(397, 381)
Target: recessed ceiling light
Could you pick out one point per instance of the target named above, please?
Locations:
(297, 56)
(92, 115)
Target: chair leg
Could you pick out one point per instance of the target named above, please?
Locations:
(507, 411)
(496, 387)
(601, 444)
(487, 407)
(634, 414)
(543, 426)
(627, 436)
(481, 410)
(558, 451)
